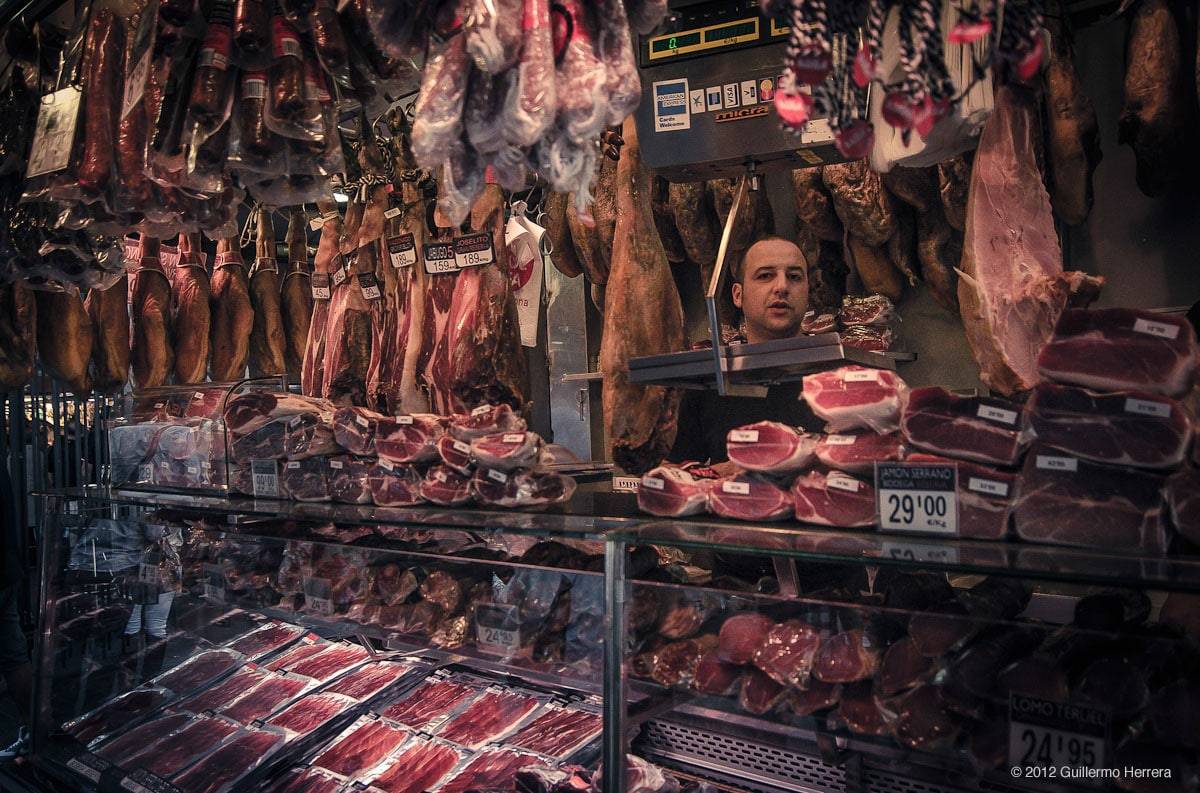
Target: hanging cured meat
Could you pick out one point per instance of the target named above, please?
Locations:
(664, 221)
(754, 221)
(296, 301)
(874, 268)
(348, 334)
(267, 340)
(64, 333)
(1073, 137)
(1154, 117)
(151, 352)
(586, 240)
(412, 284)
(109, 312)
(643, 316)
(860, 201)
(604, 210)
(376, 282)
(954, 184)
(328, 255)
(18, 334)
(190, 311)
(433, 362)
(696, 221)
(939, 249)
(232, 313)
(1013, 287)
(814, 205)
(562, 247)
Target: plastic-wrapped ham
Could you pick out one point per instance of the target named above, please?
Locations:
(857, 452)
(409, 438)
(614, 44)
(487, 718)
(874, 310)
(437, 125)
(1183, 497)
(507, 451)
(846, 657)
(361, 746)
(742, 635)
(981, 429)
(985, 497)
(833, 498)
(224, 692)
(748, 496)
(582, 78)
(178, 749)
(311, 712)
(331, 662)
(199, 670)
(493, 31)
(306, 480)
(309, 435)
(427, 702)
(1063, 500)
(489, 770)
(1120, 349)
(770, 447)
(348, 479)
(308, 647)
(233, 760)
(1134, 428)
(868, 337)
(786, 654)
(668, 491)
(558, 732)
(818, 323)
(135, 741)
(265, 698)
(456, 454)
(485, 420)
(253, 410)
(532, 101)
(855, 397)
(116, 713)
(355, 429)
(443, 485)
(369, 680)
(268, 638)
(418, 768)
(394, 485)
(308, 780)
(520, 488)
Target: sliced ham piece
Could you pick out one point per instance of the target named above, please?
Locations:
(972, 428)
(1183, 497)
(833, 498)
(456, 454)
(672, 492)
(1116, 349)
(846, 657)
(408, 438)
(786, 655)
(770, 447)
(741, 636)
(520, 488)
(445, 486)
(253, 410)
(759, 694)
(507, 451)
(486, 420)
(1126, 428)
(855, 397)
(985, 497)
(355, 429)
(714, 676)
(749, 497)
(857, 452)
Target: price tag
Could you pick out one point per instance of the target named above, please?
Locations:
(919, 497)
(514, 437)
(860, 376)
(145, 473)
(625, 484)
(988, 487)
(265, 478)
(293, 465)
(319, 605)
(736, 488)
(142, 781)
(369, 286)
(89, 766)
(439, 258)
(402, 250)
(54, 135)
(1048, 734)
(840, 440)
(1163, 330)
(997, 414)
(653, 483)
(385, 464)
(497, 629)
(842, 482)
(1051, 463)
(322, 289)
(460, 446)
(1145, 407)
(472, 250)
(497, 476)
(920, 552)
(743, 436)
(404, 419)
(362, 421)
(394, 212)
(338, 276)
(336, 464)
(481, 410)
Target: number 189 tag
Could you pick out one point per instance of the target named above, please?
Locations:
(917, 497)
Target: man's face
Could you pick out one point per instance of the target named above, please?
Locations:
(773, 293)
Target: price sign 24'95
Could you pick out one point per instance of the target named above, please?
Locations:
(1048, 734)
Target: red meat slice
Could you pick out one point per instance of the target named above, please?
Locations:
(120, 711)
(860, 710)
(507, 451)
(714, 676)
(857, 453)
(264, 699)
(409, 439)
(770, 447)
(833, 499)
(489, 770)
(456, 454)
(817, 697)
(310, 712)
(267, 638)
(668, 491)
(229, 763)
(488, 717)
(136, 740)
(558, 732)
(759, 693)
(199, 670)
(985, 497)
(369, 680)
(225, 692)
(176, 751)
(331, 662)
(973, 428)
(855, 397)
(846, 657)
(394, 485)
(296, 655)
(741, 635)
(428, 701)
(749, 497)
(786, 656)
(362, 748)
(418, 768)
(445, 486)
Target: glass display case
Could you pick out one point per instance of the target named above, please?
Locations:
(193, 642)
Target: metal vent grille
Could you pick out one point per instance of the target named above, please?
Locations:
(890, 782)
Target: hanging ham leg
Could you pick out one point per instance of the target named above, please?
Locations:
(383, 372)
(232, 313)
(296, 301)
(65, 338)
(190, 311)
(412, 285)
(312, 379)
(348, 338)
(267, 339)
(151, 353)
(109, 312)
(18, 334)
(643, 316)
(1074, 136)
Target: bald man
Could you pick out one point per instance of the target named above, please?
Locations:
(771, 289)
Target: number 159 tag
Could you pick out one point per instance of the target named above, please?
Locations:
(917, 497)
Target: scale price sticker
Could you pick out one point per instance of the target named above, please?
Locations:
(1164, 330)
(653, 482)
(1147, 407)
(919, 552)
(265, 478)
(321, 606)
(472, 250)
(497, 629)
(626, 484)
(89, 766)
(338, 276)
(917, 497)
(860, 376)
(402, 250)
(840, 440)
(743, 436)
(439, 258)
(1049, 462)
(1049, 734)
(736, 488)
(369, 286)
(997, 414)
(322, 288)
(497, 476)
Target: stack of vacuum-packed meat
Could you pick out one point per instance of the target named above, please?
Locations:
(305, 449)
(174, 440)
(1081, 463)
(865, 323)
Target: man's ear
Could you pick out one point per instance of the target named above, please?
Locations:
(737, 294)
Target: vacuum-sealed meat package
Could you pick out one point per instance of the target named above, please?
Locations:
(558, 732)
(669, 491)
(233, 760)
(770, 447)
(426, 703)
(361, 746)
(855, 397)
(311, 712)
(487, 718)
(418, 768)
(369, 679)
(394, 485)
(264, 640)
(198, 670)
(116, 713)
(331, 662)
(224, 692)
(264, 699)
(178, 749)
(491, 769)
(135, 741)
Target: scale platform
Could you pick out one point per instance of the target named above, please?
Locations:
(757, 364)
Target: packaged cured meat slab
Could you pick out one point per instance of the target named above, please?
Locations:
(981, 429)
(985, 497)
(419, 766)
(770, 447)
(749, 497)
(485, 420)
(1063, 500)
(369, 679)
(855, 397)
(495, 713)
(499, 488)
(1119, 349)
(118, 713)
(331, 661)
(308, 780)
(394, 485)
(491, 769)
(1135, 428)
(833, 498)
(178, 749)
(309, 713)
(133, 742)
(265, 640)
(220, 770)
(361, 746)
(307, 647)
(228, 690)
(507, 451)
(199, 670)
(271, 694)
(430, 702)
(857, 452)
(558, 731)
(669, 491)
(409, 438)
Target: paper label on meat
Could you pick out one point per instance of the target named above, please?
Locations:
(653, 482)
(394, 212)
(988, 487)
(404, 419)
(625, 484)
(472, 250)
(514, 437)
(840, 440)
(743, 436)
(1160, 329)
(265, 478)
(868, 376)
(839, 482)
(497, 629)
(338, 276)
(369, 286)
(386, 464)
(482, 409)
(736, 488)
(402, 250)
(89, 766)
(1049, 463)
(321, 287)
(1000, 415)
(497, 476)
(439, 258)
(54, 135)
(460, 446)
(337, 464)
(1146, 407)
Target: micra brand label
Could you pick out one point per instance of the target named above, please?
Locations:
(671, 112)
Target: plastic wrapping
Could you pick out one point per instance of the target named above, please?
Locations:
(419, 766)
(306, 480)
(558, 732)
(770, 447)
(254, 146)
(614, 43)
(313, 711)
(329, 41)
(855, 397)
(532, 101)
(582, 78)
(500, 488)
(492, 715)
(348, 479)
(214, 77)
(265, 640)
(179, 748)
(507, 451)
(857, 453)
(394, 485)
(219, 771)
(437, 125)
(271, 694)
(252, 33)
(833, 499)
(669, 491)
(224, 692)
(493, 33)
(447, 487)
(199, 671)
(361, 747)
(369, 679)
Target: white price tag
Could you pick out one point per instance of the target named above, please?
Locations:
(337, 464)
(840, 440)
(497, 476)
(917, 497)
(1145, 407)
(362, 421)
(460, 446)
(497, 629)
(386, 464)
(997, 414)
(321, 287)
(338, 276)
(54, 135)
(625, 484)
(135, 85)
(1050, 735)
(439, 258)
(514, 437)
(736, 488)
(394, 212)
(989, 487)
(317, 605)
(472, 250)
(404, 419)
(402, 250)
(860, 376)
(653, 482)
(1163, 330)
(1050, 463)
(293, 465)
(920, 552)
(743, 436)
(842, 482)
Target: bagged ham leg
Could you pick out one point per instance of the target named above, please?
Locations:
(232, 314)
(394, 485)
(531, 104)
(296, 299)
(409, 438)
(614, 43)
(313, 371)
(520, 488)
(267, 339)
(439, 109)
(507, 451)
(770, 447)
(857, 453)
(109, 313)
(493, 33)
(582, 78)
(855, 397)
(672, 492)
(191, 311)
(151, 353)
(486, 420)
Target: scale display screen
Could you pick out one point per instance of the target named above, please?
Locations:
(725, 34)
